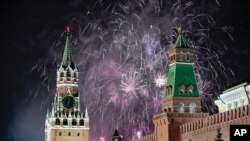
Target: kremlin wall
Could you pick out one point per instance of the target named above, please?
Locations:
(181, 118)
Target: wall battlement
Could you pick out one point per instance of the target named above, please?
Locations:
(150, 137)
(195, 129)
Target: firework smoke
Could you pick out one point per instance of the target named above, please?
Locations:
(122, 58)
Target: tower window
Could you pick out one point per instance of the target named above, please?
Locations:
(188, 57)
(78, 134)
(190, 88)
(192, 107)
(74, 122)
(60, 134)
(180, 56)
(57, 121)
(69, 134)
(183, 56)
(68, 74)
(182, 88)
(81, 122)
(65, 122)
(61, 75)
(181, 107)
(167, 90)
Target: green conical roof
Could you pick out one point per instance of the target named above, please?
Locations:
(67, 55)
(180, 42)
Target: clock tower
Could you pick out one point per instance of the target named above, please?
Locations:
(65, 121)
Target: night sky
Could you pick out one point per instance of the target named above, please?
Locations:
(31, 34)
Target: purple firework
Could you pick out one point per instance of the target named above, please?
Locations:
(122, 58)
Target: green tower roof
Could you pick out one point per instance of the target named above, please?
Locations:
(67, 55)
(180, 42)
(182, 74)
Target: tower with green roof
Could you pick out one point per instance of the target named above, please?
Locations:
(181, 102)
(182, 94)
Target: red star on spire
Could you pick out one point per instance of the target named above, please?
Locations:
(67, 28)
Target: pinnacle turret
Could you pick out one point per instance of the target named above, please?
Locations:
(86, 115)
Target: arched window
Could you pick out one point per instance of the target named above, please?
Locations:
(81, 122)
(78, 134)
(74, 122)
(170, 89)
(57, 121)
(60, 134)
(167, 90)
(69, 134)
(65, 122)
(181, 107)
(68, 73)
(192, 107)
(190, 88)
(61, 75)
(188, 57)
(181, 55)
(182, 88)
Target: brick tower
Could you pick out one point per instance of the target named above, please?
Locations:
(66, 122)
(181, 102)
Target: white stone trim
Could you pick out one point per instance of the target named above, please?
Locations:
(62, 85)
(85, 128)
(181, 63)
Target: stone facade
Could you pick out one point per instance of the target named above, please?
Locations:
(234, 97)
(201, 128)
(205, 129)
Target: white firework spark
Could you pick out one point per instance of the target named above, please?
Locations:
(127, 36)
(160, 80)
(131, 82)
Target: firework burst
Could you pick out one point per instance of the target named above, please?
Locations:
(160, 80)
(122, 57)
(131, 83)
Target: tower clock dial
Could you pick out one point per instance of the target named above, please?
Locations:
(68, 101)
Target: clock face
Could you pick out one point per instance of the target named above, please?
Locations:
(68, 101)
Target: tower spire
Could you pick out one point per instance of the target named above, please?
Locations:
(67, 56)
(180, 42)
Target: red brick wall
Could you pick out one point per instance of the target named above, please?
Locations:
(206, 128)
